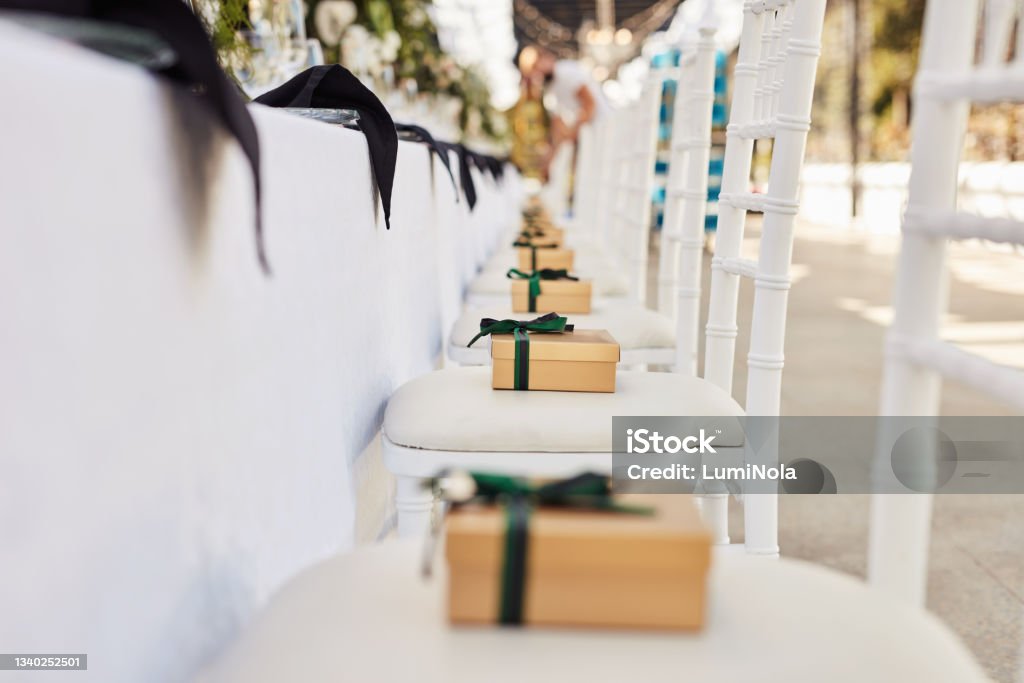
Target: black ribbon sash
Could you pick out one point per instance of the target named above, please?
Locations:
(465, 175)
(196, 67)
(423, 136)
(468, 159)
(334, 87)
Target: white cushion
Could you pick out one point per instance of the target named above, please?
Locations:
(633, 326)
(370, 616)
(457, 410)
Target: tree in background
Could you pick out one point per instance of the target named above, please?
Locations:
(896, 41)
(891, 31)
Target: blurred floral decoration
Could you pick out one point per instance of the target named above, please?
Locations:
(389, 44)
(260, 43)
(393, 43)
(226, 21)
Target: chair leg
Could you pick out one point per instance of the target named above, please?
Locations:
(761, 523)
(714, 511)
(414, 502)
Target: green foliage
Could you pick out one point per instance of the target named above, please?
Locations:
(223, 20)
(421, 59)
(891, 36)
(378, 16)
(896, 33)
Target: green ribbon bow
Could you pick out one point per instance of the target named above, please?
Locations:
(520, 329)
(587, 491)
(531, 232)
(533, 250)
(536, 277)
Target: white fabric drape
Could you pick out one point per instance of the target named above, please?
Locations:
(178, 431)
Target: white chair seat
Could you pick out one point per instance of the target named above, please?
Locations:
(632, 326)
(590, 262)
(457, 410)
(368, 616)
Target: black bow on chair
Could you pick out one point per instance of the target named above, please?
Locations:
(195, 65)
(334, 87)
(423, 136)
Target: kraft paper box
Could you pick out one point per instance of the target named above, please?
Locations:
(581, 360)
(542, 238)
(584, 568)
(556, 259)
(544, 234)
(564, 296)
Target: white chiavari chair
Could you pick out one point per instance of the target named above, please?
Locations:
(631, 214)
(682, 245)
(585, 185)
(372, 602)
(647, 337)
(453, 418)
(917, 359)
(599, 249)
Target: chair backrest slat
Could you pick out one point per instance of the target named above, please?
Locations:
(686, 195)
(917, 358)
(774, 86)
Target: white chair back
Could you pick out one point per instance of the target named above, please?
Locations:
(586, 182)
(774, 86)
(632, 159)
(606, 134)
(682, 237)
(948, 80)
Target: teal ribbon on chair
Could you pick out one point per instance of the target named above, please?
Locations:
(535, 278)
(587, 491)
(520, 329)
(533, 250)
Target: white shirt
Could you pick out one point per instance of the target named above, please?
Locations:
(567, 79)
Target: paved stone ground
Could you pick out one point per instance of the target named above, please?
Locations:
(837, 319)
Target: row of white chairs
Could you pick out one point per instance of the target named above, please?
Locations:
(453, 418)
(371, 608)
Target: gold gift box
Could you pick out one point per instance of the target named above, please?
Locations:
(581, 360)
(544, 235)
(564, 296)
(585, 568)
(556, 259)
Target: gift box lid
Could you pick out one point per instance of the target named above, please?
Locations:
(672, 539)
(578, 345)
(564, 287)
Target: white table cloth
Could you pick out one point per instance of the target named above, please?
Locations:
(178, 431)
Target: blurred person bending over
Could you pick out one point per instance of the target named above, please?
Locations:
(578, 99)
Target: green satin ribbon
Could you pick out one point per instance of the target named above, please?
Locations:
(535, 278)
(588, 491)
(533, 250)
(531, 233)
(520, 329)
